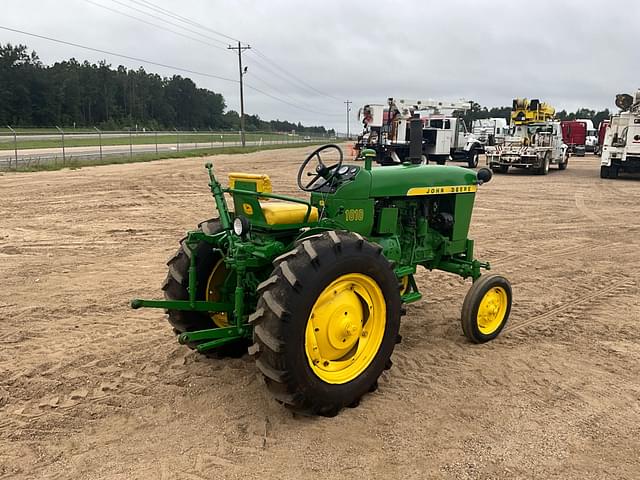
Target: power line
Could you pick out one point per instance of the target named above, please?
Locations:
(253, 75)
(268, 69)
(163, 11)
(158, 64)
(291, 104)
(107, 52)
(149, 5)
(153, 24)
(168, 22)
(302, 82)
(186, 20)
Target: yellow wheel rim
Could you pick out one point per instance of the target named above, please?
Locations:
(404, 284)
(492, 310)
(345, 328)
(215, 281)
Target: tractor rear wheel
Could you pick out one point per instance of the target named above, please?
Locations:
(210, 276)
(326, 323)
(486, 308)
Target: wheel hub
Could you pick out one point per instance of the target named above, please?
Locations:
(345, 328)
(492, 310)
(213, 294)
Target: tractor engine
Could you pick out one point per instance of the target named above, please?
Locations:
(423, 226)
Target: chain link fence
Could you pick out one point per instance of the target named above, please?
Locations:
(40, 147)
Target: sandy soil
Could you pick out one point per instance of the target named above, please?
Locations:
(91, 389)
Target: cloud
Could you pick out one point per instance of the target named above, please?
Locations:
(571, 53)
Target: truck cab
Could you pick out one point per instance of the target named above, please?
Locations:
(621, 146)
(490, 131)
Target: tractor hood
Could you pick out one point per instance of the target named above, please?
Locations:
(403, 180)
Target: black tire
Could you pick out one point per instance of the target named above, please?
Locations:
(472, 158)
(563, 165)
(281, 317)
(500, 169)
(469, 316)
(544, 168)
(176, 284)
(604, 172)
(613, 171)
(441, 160)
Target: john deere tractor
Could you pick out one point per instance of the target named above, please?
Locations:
(316, 288)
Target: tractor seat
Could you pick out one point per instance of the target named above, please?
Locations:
(275, 212)
(286, 213)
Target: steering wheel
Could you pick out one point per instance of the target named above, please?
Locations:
(327, 173)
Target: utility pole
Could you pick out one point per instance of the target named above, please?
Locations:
(348, 104)
(240, 49)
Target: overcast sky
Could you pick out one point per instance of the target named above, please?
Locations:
(570, 53)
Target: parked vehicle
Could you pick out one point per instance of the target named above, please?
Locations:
(535, 143)
(591, 141)
(574, 135)
(621, 145)
(602, 130)
(314, 289)
(444, 136)
(490, 131)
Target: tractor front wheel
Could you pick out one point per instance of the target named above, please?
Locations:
(486, 308)
(326, 323)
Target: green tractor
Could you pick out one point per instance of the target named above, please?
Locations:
(315, 289)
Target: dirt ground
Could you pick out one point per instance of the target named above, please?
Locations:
(90, 389)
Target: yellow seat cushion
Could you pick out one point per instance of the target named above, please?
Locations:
(262, 182)
(285, 213)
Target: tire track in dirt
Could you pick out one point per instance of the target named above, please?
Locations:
(574, 304)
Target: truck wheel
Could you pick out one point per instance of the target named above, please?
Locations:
(544, 168)
(500, 169)
(326, 323)
(210, 275)
(441, 160)
(486, 308)
(472, 158)
(565, 162)
(613, 171)
(604, 172)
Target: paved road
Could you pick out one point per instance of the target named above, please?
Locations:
(49, 154)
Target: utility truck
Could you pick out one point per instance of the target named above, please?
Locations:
(444, 135)
(535, 142)
(621, 146)
(490, 131)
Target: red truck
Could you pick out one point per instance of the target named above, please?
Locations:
(602, 130)
(574, 135)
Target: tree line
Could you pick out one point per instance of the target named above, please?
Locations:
(70, 93)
